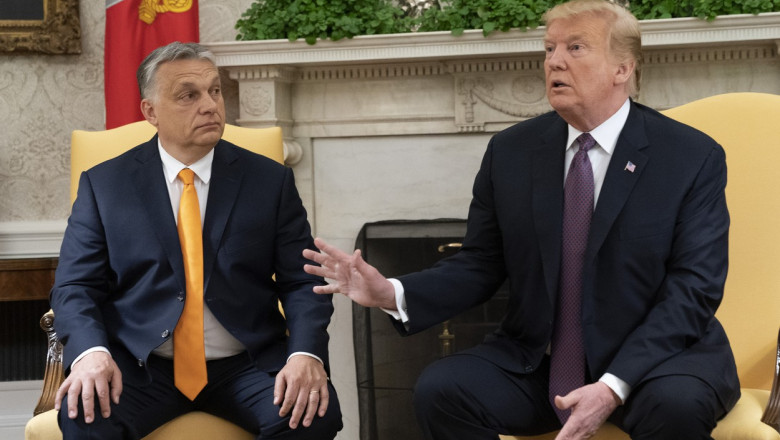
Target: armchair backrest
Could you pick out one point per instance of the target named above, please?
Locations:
(747, 125)
(89, 148)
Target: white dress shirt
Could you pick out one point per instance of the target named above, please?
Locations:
(606, 136)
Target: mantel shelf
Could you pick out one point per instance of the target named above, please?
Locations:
(426, 46)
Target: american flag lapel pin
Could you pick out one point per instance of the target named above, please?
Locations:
(630, 167)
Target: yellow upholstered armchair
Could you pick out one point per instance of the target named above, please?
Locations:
(746, 125)
(89, 149)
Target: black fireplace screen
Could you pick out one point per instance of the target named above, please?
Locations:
(388, 365)
(22, 342)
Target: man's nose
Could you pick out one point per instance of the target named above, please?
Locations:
(555, 59)
(208, 103)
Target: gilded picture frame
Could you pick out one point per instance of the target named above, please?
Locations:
(41, 26)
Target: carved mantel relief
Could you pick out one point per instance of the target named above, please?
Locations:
(264, 101)
(502, 97)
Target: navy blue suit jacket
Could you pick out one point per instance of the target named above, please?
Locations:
(120, 278)
(655, 263)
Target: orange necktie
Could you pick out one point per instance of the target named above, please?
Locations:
(189, 353)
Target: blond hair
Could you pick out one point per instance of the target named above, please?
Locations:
(625, 38)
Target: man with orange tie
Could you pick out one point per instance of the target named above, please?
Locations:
(172, 264)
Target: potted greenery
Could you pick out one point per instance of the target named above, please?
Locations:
(336, 19)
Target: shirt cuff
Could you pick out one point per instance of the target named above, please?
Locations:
(88, 351)
(304, 354)
(400, 302)
(621, 388)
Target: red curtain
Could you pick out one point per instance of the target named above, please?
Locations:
(134, 28)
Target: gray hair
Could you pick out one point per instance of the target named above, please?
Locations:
(165, 54)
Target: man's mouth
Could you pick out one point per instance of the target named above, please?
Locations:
(558, 84)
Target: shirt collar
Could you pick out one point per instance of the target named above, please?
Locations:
(171, 166)
(606, 134)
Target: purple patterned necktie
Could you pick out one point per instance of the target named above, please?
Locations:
(567, 355)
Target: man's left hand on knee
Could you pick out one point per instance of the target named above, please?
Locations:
(590, 406)
(302, 390)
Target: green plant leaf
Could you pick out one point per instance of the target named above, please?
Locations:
(337, 19)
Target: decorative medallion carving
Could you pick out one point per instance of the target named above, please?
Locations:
(528, 89)
(255, 101)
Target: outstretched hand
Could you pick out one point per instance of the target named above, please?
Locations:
(349, 275)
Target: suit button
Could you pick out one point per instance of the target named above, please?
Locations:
(165, 333)
(140, 362)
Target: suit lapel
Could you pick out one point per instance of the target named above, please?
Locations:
(223, 191)
(619, 181)
(548, 200)
(149, 180)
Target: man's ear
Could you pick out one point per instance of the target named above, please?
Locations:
(147, 109)
(624, 71)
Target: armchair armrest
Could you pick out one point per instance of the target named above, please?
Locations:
(53, 375)
(772, 412)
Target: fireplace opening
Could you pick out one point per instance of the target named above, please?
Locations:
(387, 364)
(22, 342)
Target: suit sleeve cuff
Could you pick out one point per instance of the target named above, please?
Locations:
(617, 385)
(303, 353)
(400, 302)
(88, 351)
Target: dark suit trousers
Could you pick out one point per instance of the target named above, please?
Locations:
(237, 391)
(468, 397)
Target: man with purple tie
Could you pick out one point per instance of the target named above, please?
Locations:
(610, 222)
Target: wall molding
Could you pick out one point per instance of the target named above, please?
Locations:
(33, 239)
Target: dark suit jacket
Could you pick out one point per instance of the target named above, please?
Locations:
(655, 263)
(120, 279)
